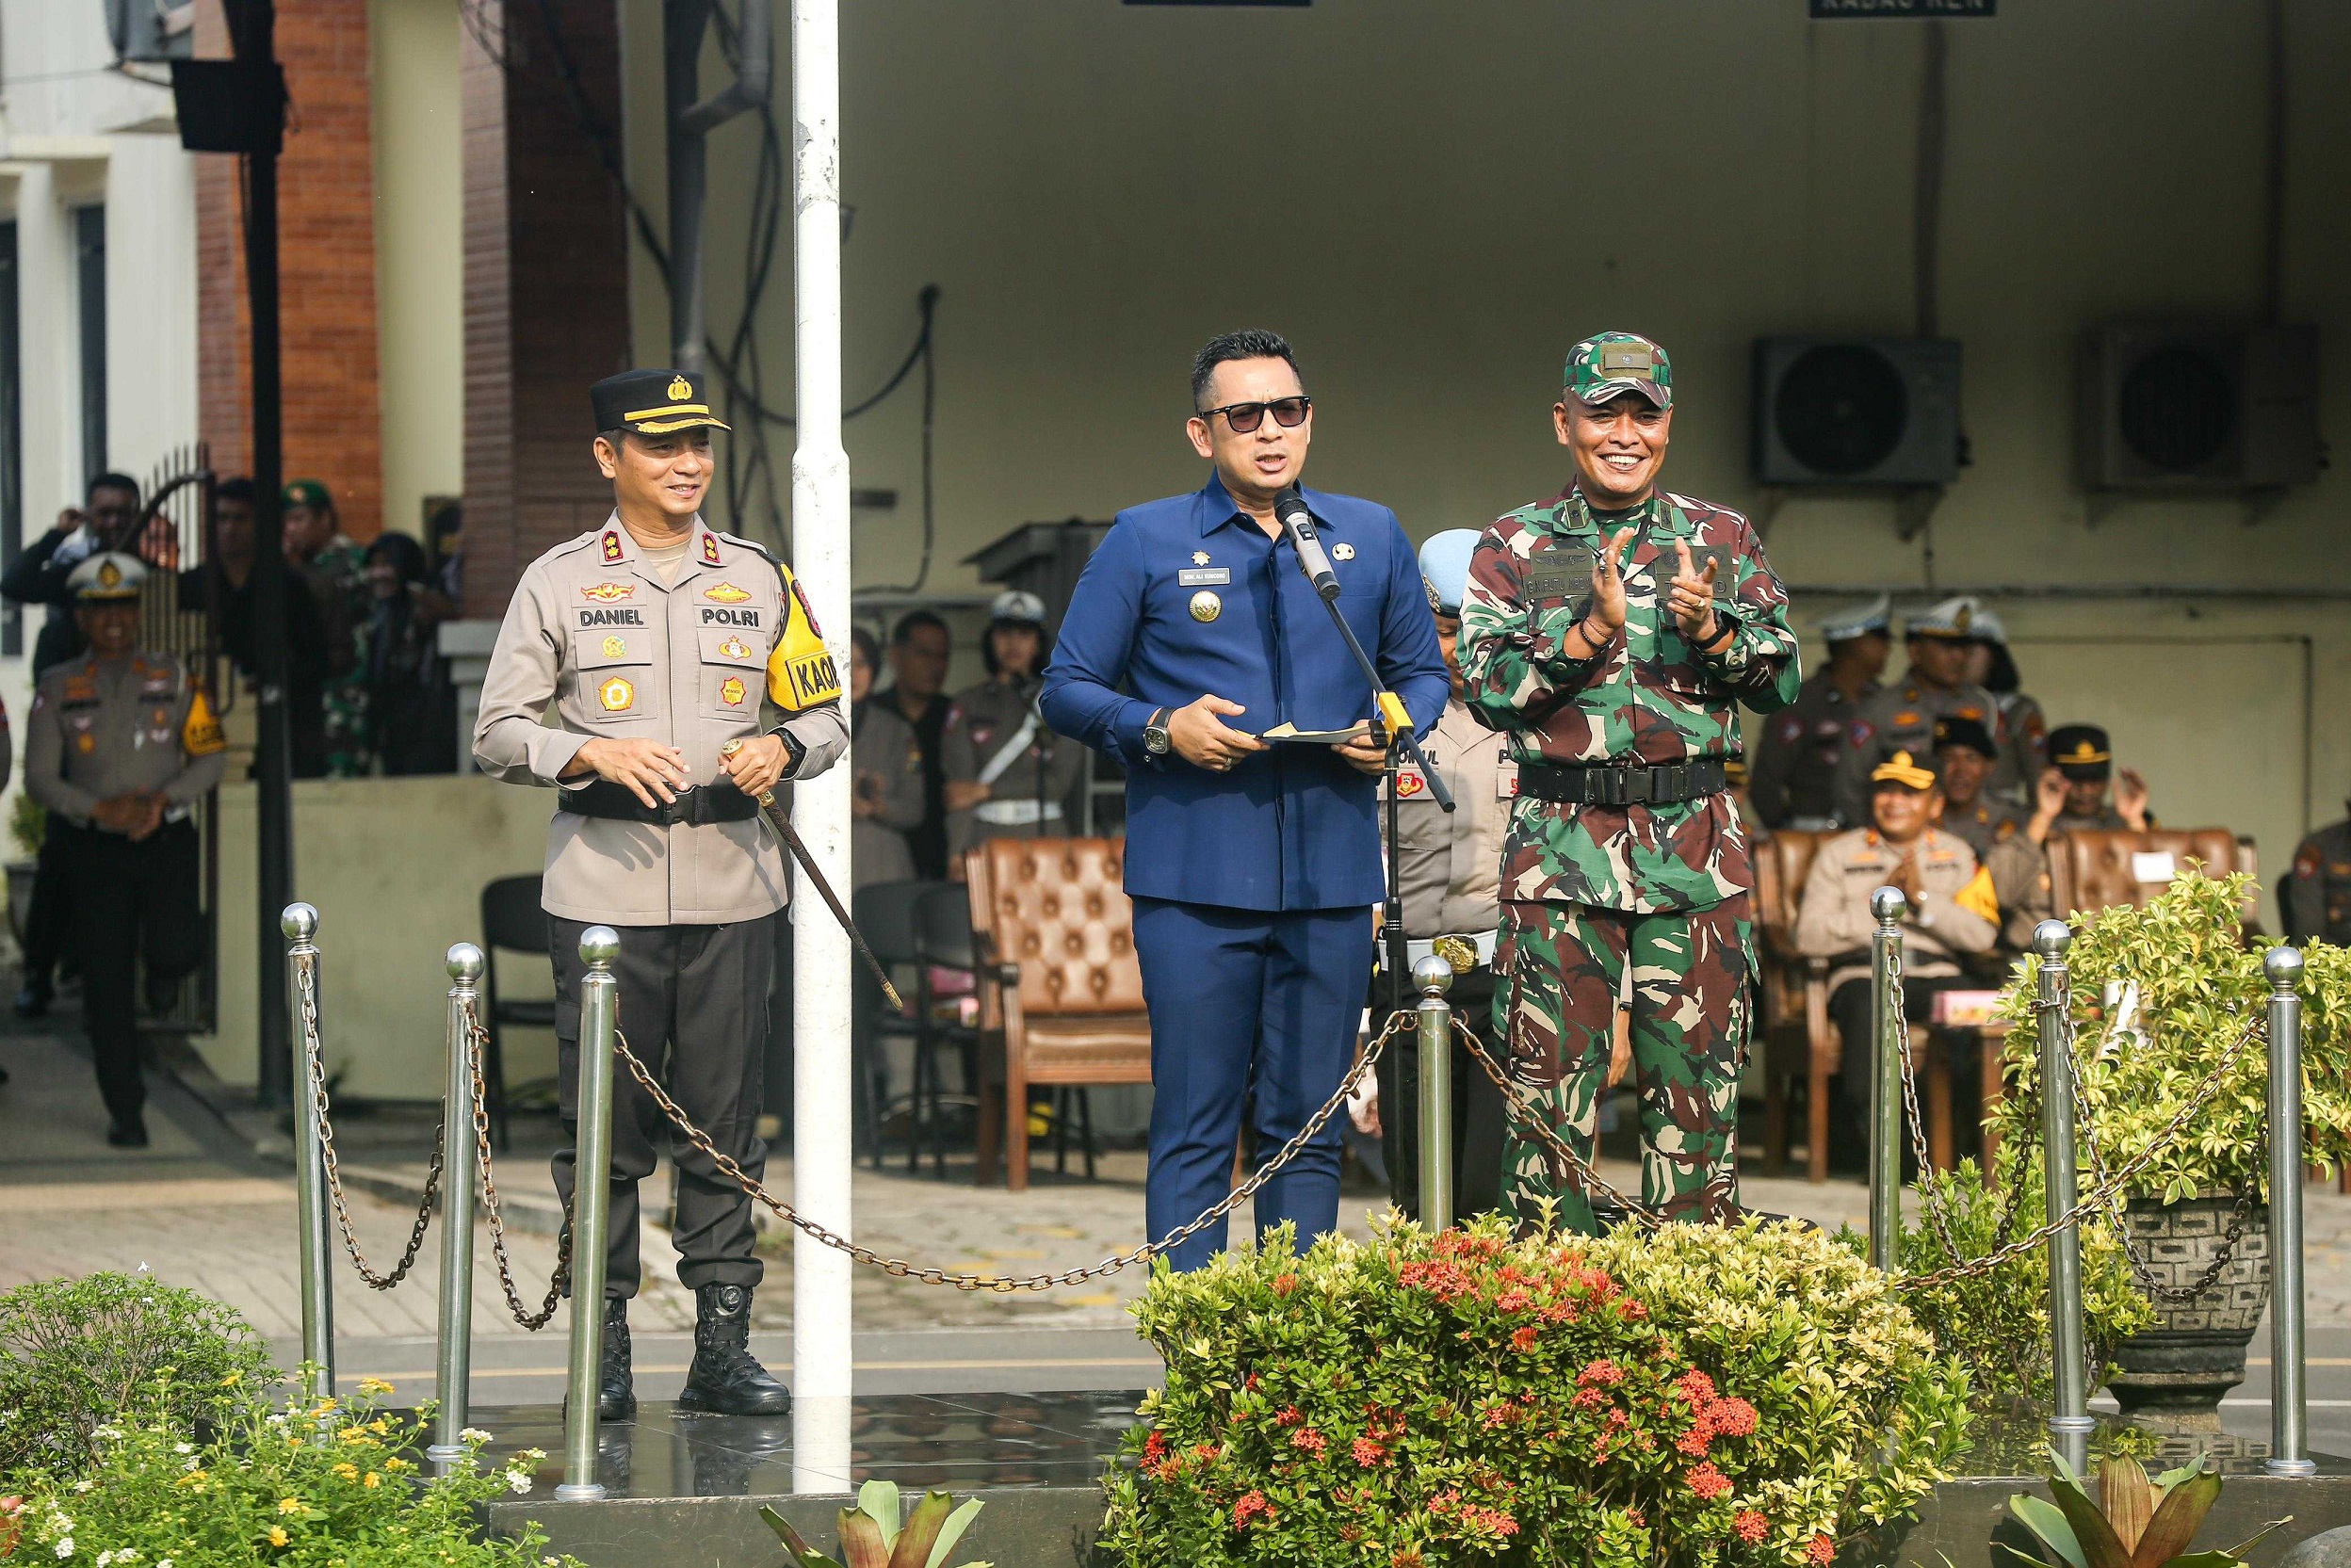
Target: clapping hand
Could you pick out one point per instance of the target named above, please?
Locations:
(1608, 582)
(2130, 799)
(1692, 598)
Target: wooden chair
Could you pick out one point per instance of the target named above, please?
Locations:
(1800, 1041)
(2097, 869)
(1061, 992)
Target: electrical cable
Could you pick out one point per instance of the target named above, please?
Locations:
(737, 366)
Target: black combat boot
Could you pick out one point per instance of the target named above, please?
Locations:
(616, 1393)
(726, 1378)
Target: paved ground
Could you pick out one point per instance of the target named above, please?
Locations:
(212, 1206)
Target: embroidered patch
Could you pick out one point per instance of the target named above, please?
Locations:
(606, 593)
(616, 694)
(725, 593)
(731, 691)
(615, 647)
(808, 609)
(611, 547)
(735, 648)
(85, 743)
(1862, 732)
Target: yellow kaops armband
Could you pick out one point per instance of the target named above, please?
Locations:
(801, 674)
(1977, 898)
(200, 736)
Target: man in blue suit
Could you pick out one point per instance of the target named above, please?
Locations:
(1253, 865)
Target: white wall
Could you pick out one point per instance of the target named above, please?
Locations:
(420, 253)
(1434, 200)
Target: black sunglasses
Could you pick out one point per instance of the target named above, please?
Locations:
(1288, 413)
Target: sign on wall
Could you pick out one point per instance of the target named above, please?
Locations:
(1836, 10)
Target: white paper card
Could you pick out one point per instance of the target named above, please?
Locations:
(2153, 866)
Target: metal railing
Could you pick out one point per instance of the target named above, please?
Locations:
(464, 1176)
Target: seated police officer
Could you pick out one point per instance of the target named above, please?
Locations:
(122, 744)
(652, 639)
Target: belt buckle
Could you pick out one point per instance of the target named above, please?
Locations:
(1636, 790)
(1459, 953)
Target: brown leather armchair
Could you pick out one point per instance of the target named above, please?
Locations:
(1061, 993)
(2095, 868)
(1794, 1029)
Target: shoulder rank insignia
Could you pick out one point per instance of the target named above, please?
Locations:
(606, 593)
(710, 549)
(611, 546)
(616, 695)
(808, 609)
(726, 593)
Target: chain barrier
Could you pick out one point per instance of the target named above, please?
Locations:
(477, 1038)
(306, 967)
(2140, 1270)
(1522, 1110)
(1006, 1284)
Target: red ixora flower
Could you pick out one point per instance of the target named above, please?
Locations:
(1154, 1447)
(1287, 1416)
(1601, 1373)
(1752, 1527)
(1308, 1440)
(1695, 1386)
(1285, 1284)
(1252, 1506)
(1823, 1550)
(1513, 1300)
(1525, 1338)
(1709, 1482)
(1366, 1452)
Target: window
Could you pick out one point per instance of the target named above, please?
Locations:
(89, 266)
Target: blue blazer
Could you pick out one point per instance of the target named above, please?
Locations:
(1289, 828)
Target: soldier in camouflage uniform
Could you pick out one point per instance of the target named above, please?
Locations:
(1612, 632)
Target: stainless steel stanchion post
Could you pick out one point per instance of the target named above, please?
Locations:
(455, 1363)
(1434, 977)
(592, 1192)
(1886, 1023)
(2289, 1396)
(301, 924)
(2070, 1423)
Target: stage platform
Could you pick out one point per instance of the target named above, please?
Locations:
(687, 1490)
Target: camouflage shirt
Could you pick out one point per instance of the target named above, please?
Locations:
(1648, 696)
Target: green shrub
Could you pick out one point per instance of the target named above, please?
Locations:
(75, 1353)
(323, 1487)
(2199, 988)
(1691, 1396)
(1997, 1322)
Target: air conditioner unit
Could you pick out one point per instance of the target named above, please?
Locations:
(152, 29)
(1856, 411)
(2200, 406)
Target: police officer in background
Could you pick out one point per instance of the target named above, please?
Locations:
(1940, 642)
(1449, 867)
(122, 745)
(654, 639)
(1795, 763)
(1253, 865)
(2316, 900)
(1992, 826)
(1613, 632)
(1008, 776)
(2072, 792)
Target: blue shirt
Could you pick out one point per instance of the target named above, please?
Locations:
(1290, 828)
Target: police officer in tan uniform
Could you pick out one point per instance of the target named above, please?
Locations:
(654, 638)
(121, 745)
(1901, 718)
(1449, 869)
(1994, 828)
(1953, 912)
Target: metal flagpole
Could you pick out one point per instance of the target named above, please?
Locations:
(822, 1114)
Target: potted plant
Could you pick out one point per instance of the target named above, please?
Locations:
(2136, 1522)
(2162, 996)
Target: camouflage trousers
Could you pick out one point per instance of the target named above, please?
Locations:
(1564, 967)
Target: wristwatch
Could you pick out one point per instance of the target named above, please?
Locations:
(793, 752)
(1156, 739)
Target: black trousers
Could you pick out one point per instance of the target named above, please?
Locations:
(128, 901)
(1480, 1116)
(49, 913)
(693, 1005)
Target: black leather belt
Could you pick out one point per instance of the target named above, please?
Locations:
(1612, 784)
(695, 807)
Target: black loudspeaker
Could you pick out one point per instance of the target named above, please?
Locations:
(230, 105)
(1856, 411)
(2200, 406)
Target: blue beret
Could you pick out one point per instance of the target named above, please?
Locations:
(1445, 567)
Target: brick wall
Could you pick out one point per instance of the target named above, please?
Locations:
(326, 262)
(546, 287)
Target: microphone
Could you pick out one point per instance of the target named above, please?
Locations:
(1291, 509)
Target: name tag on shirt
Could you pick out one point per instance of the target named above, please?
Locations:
(1506, 782)
(1558, 572)
(1204, 577)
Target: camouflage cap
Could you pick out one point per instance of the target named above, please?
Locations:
(1608, 364)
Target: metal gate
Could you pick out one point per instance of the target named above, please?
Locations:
(177, 616)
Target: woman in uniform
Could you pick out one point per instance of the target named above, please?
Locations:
(1008, 776)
